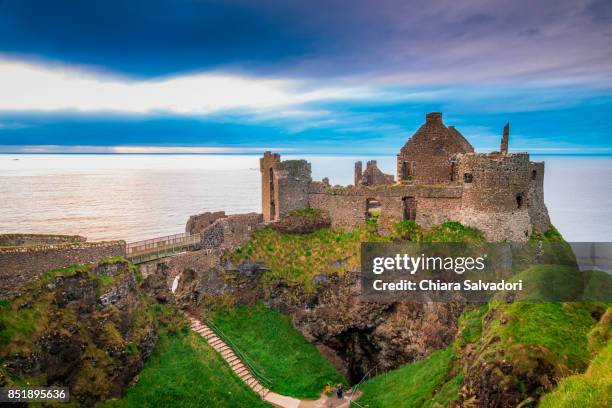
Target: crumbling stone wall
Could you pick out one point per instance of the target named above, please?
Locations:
(372, 176)
(22, 265)
(347, 206)
(197, 223)
(269, 185)
(538, 213)
(428, 156)
(231, 231)
(38, 239)
(293, 180)
(284, 185)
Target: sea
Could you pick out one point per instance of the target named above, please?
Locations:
(140, 196)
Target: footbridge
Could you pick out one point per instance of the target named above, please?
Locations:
(161, 247)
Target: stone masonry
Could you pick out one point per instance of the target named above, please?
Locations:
(440, 178)
(20, 265)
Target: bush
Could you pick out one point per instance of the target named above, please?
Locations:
(408, 230)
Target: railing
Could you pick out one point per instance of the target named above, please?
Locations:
(241, 355)
(355, 388)
(156, 248)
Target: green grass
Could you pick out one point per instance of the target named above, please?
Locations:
(591, 389)
(420, 384)
(452, 231)
(296, 259)
(278, 351)
(561, 328)
(312, 213)
(185, 372)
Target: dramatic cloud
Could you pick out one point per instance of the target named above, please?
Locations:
(30, 87)
(316, 74)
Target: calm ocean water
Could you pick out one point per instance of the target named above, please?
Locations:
(135, 197)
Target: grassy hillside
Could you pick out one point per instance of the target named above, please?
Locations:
(280, 352)
(594, 387)
(421, 384)
(185, 372)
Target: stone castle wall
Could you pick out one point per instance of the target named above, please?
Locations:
(22, 265)
(495, 195)
(538, 213)
(293, 179)
(426, 157)
(197, 223)
(231, 231)
(38, 239)
(347, 206)
(269, 185)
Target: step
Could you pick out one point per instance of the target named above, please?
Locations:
(239, 372)
(233, 360)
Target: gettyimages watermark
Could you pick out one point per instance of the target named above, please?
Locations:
(445, 272)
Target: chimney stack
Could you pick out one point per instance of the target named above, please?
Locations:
(433, 117)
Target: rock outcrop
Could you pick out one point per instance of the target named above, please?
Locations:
(355, 335)
(84, 327)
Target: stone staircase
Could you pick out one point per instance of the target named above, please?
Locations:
(247, 375)
(236, 364)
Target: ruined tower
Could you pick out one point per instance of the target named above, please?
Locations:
(268, 165)
(284, 185)
(504, 142)
(358, 173)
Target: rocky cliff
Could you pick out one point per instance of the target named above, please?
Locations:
(86, 327)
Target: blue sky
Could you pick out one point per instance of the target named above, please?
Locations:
(304, 76)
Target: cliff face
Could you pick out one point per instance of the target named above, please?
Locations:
(356, 336)
(85, 327)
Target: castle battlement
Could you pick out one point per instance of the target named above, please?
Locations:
(439, 178)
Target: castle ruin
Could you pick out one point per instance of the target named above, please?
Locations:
(439, 178)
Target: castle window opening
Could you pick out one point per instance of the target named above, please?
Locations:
(519, 200)
(407, 170)
(373, 208)
(467, 177)
(272, 203)
(534, 174)
(453, 164)
(409, 208)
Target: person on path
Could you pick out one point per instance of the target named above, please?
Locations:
(340, 391)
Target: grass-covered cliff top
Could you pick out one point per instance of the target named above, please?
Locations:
(82, 326)
(520, 346)
(297, 259)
